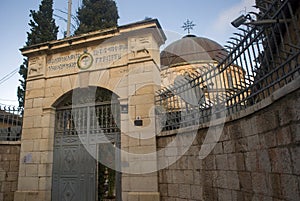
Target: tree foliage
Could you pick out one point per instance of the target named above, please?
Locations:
(42, 29)
(97, 14)
(21, 89)
(42, 24)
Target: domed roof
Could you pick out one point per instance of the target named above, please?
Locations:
(191, 49)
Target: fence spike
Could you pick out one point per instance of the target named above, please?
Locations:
(232, 43)
(243, 30)
(236, 39)
(228, 47)
(238, 34)
(256, 14)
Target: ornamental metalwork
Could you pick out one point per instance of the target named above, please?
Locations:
(10, 123)
(261, 59)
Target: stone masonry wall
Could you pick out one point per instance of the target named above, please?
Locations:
(9, 169)
(256, 158)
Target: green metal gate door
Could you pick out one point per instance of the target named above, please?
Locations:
(73, 167)
(75, 172)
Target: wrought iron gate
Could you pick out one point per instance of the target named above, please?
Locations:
(77, 176)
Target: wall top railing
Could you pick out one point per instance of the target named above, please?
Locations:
(10, 123)
(262, 57)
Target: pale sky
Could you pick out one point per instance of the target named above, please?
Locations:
(212, 19)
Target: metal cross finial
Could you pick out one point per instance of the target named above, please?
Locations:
(188, 25)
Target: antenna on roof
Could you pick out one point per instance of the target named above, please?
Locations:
(69, 18)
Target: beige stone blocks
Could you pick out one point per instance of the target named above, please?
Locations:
(48, 120)
(45, 183)
(36, 177)
(36, 84)
(46, 157)
(45, 169)
(139, 163)
(119, 72)
(143, 196)
(100, 78)
(31, 133)
(27, 145)
(35, 93)
(66, 84)
(254, 158)
(83, 79)
(29, 103)
(49, 101)
(54, 82)
(46, 144)
(118, 86)
(143, 183)
(32, 112)
(31, 170)
(33, 196)
(9, 167)
(28, 183)
(146, 77)
(135, 149)
(145, 89)
(37, 102)
(55, 92)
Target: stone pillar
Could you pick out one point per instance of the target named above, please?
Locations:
(35, 172)
(138, 141)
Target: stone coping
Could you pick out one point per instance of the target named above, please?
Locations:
(94, 36)
(10, 142)
(278, 94)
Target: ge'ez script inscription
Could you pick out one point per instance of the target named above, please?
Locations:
(101, 56)
(62, 62)
(109, 54)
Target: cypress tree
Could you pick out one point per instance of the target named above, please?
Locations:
(21, 89)
(42, 24)
(96, 14)
(42, 29)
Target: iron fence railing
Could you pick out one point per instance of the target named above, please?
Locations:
(261, 58)
(10, 123)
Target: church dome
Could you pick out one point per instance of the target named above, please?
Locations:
(191, 49)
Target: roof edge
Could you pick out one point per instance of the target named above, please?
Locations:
(94, 36)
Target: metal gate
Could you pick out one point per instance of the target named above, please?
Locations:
(77, 176)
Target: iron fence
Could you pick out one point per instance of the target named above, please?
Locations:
(261, 58)
(10, 123)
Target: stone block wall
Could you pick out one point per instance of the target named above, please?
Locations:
(256, 158)
(9, 169)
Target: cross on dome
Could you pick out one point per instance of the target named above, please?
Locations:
(188, 25)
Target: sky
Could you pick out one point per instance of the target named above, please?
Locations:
(211, 17)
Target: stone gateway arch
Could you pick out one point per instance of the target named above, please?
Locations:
(88, 95)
